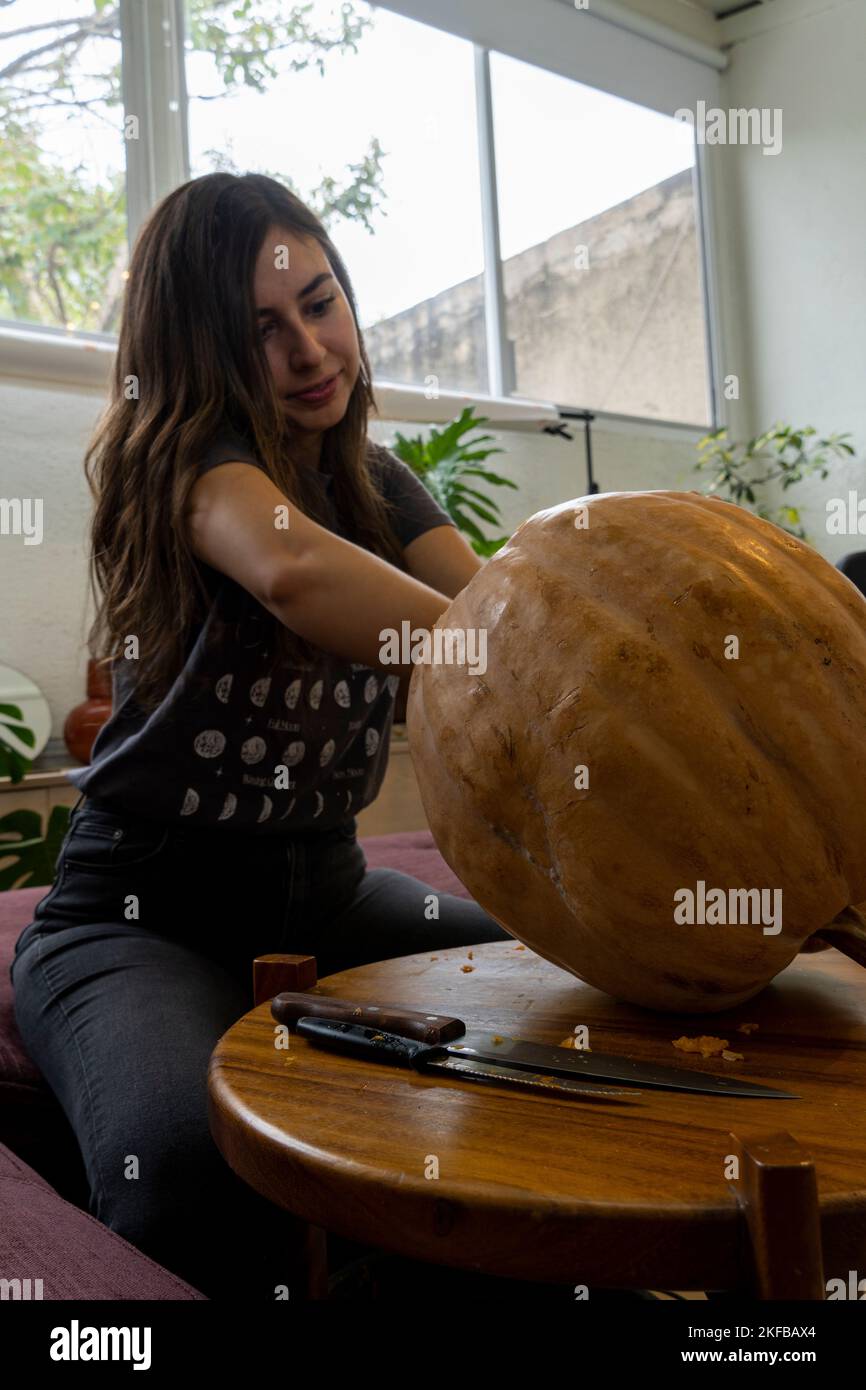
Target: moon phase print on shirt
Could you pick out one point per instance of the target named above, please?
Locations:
(319, 737)
(293, 754)
(253, 750)
(210, 743)
(259, 691)
(327, 753)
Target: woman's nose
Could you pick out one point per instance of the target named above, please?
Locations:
(305, 350)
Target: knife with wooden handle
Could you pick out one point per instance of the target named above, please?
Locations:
(373, 1045)
(496, 1050)
(424, 1027)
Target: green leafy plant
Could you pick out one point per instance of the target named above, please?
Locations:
(781, 454)
(33, 855)
(444, 461)
(12, 763)
(27, 857)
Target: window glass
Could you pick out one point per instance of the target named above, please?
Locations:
(63, 250)
(601, 260)
(370, 118)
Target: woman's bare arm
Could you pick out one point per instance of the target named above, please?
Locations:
(332, 593)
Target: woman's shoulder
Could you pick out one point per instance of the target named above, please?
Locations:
(387, 467)
(228, 445)
(378, 455)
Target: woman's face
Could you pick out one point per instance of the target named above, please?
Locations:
(308, 333)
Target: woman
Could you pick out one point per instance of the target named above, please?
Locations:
(250, 545)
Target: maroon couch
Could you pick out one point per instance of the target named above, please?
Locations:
(44, 1227)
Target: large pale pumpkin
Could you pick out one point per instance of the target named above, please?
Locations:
(708, 671)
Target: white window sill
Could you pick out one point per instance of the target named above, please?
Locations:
(65, 358)
(87, 361)
(82, 362)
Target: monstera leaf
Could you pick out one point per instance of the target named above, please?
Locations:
(33, 856)
(11, 762)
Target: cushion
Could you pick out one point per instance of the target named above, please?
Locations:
(32, 1122)
(75, 1256)
(413, 852)
(16, 911)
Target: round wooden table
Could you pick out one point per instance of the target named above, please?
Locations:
(666, 1190)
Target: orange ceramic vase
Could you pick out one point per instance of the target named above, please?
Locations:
(85, 720)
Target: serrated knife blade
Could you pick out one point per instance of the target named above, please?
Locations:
(599, 1066)
(372, 1044)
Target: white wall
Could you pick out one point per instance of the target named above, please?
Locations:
(792, 234)
(44, 588)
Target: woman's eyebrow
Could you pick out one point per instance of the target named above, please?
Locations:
(308, 289)
(314, 284)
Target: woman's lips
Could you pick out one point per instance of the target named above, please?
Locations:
(320, 394)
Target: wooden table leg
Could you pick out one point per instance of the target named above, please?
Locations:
(777, 1190)
(272, 975)
(310, 1263)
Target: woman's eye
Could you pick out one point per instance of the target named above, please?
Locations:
(321, 305)
(267, 329)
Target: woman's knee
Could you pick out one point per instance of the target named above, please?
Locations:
(154, 1195)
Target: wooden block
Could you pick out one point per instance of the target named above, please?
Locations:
(277, 973)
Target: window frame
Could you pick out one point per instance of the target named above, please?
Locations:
(622, 60)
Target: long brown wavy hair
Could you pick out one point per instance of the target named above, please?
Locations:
(189, 362)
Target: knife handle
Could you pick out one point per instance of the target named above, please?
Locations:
(359, 1041)
(427, 1028)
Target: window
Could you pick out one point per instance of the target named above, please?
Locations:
(370, 118)
(601, 259)
(595, 297)
(63, 247)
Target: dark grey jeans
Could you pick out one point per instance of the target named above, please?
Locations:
(138, 960)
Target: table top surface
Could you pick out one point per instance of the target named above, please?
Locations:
(320, 1132)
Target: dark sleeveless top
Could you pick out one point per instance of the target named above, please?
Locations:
(262, 745)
